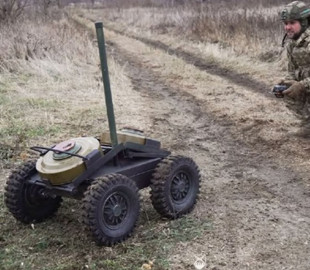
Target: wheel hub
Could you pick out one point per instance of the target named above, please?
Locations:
(115, 209)
(35, 195)
(180, 186)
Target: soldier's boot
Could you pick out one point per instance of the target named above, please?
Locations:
(304, 131)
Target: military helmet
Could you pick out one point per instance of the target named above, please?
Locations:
(296, 10)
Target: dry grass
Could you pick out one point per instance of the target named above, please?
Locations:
(254, 30)
(28, 40)
(45, 72)
(51, 90)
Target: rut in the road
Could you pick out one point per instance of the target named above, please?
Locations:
(195, 120)
(241, 79)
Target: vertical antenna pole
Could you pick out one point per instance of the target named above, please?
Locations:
(106, 83)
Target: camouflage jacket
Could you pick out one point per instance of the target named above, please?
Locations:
(298, 53)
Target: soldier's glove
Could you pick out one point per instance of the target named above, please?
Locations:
(296, 91)
(288, 83)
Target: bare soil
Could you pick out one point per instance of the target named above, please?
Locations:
(255, 176)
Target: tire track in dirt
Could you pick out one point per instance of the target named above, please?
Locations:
(145, 82)
(249, 199)
(241, 79)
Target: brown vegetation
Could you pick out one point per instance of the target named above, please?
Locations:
(50, 90)
(243, 26)
(250, 27)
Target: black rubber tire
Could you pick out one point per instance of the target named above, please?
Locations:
(175, 186)
(111, 208)
(26, 201)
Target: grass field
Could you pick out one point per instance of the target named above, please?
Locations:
(51, 90)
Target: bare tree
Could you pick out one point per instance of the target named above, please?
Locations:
(44, 5)
(10, 10)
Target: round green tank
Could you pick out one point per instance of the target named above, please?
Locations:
(60, 168)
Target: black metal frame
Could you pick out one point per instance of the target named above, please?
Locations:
(136, 161)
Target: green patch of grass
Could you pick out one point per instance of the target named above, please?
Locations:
(6, 151)
(3, 88)
(5, 85)
(88, 122)
(155, 240)
(16, 136)
(3, 98)
(24, 77)
(62, 237)
(38, 103)
(9, 81)
(21, 129)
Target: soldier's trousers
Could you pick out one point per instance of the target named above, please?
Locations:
(301, 107)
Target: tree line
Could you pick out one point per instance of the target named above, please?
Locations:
(11, 10)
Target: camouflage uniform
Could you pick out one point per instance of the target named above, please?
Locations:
(298, 53)
(297, 97)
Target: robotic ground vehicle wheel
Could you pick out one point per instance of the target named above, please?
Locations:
(174, 186)
(27, 202)
(111, 208)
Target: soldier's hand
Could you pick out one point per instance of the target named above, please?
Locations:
(295, 91)
(288, 83)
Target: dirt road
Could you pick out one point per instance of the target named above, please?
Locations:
(255, 178)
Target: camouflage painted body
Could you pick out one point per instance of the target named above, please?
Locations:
(298, 53)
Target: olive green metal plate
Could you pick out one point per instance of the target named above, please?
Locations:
(123, 137)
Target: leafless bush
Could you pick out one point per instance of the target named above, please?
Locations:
(31, 40)
(247, 26)
(10, 10)
(236, 26)
(141, 3)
